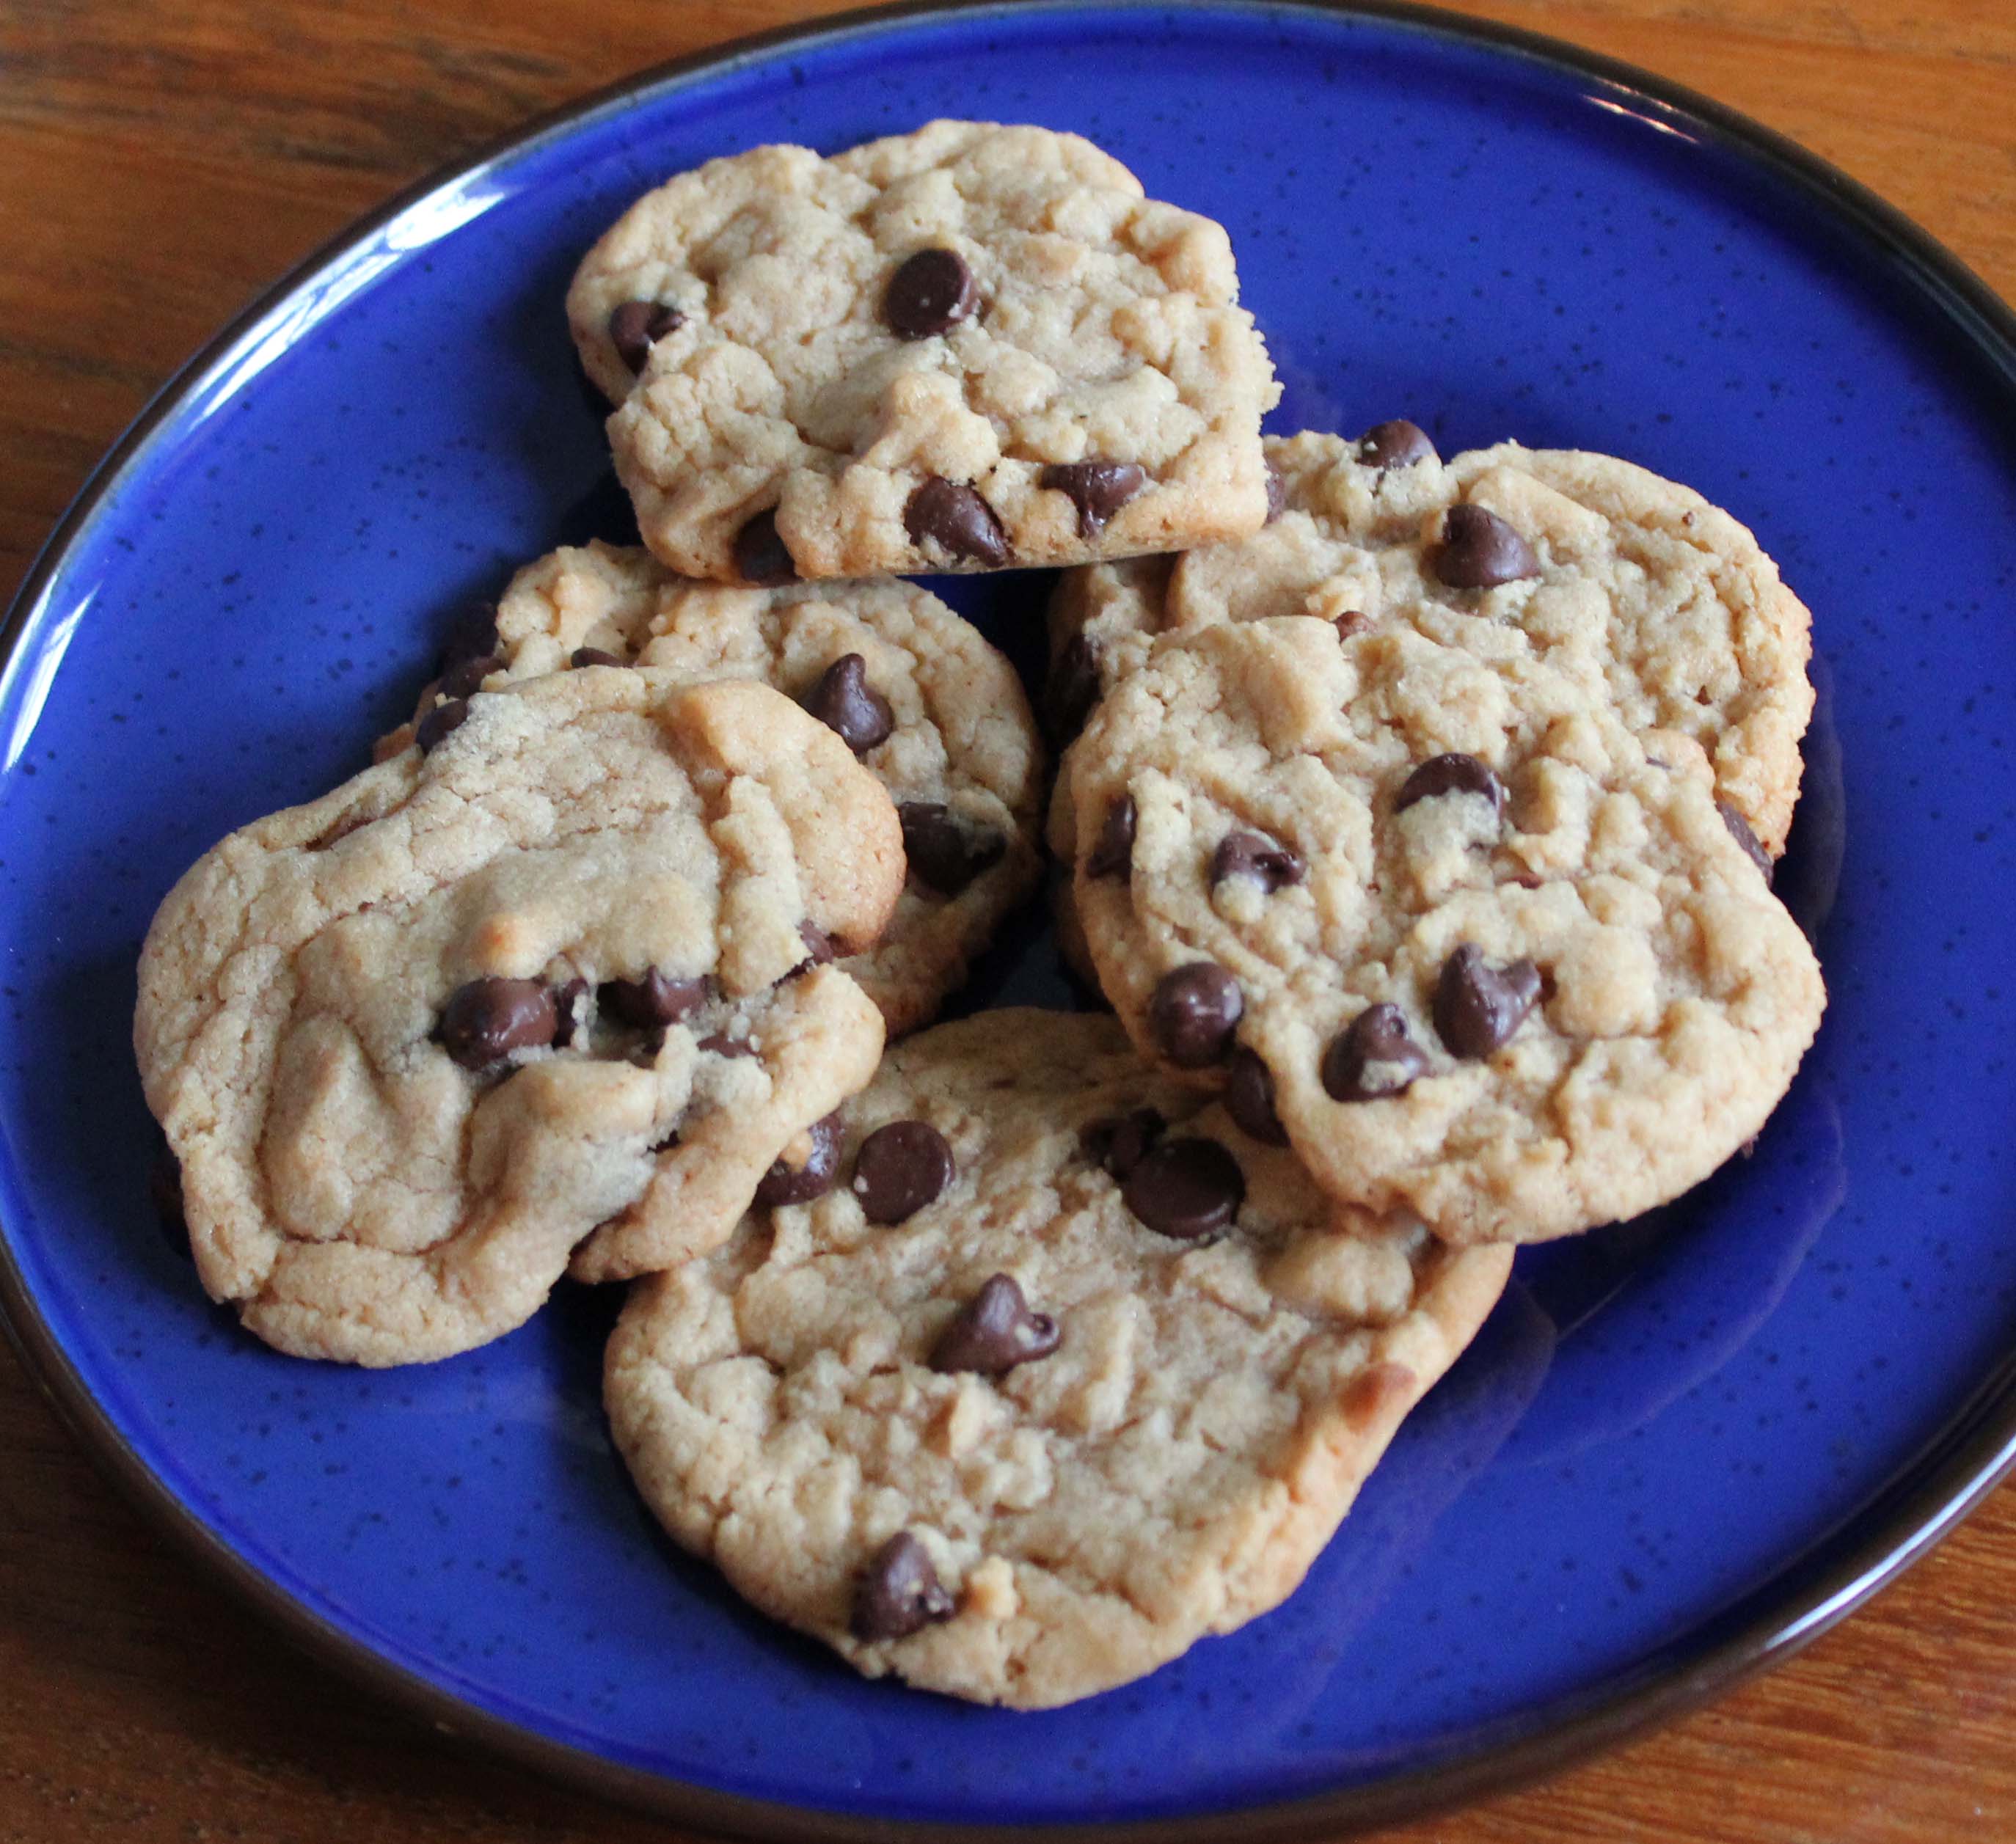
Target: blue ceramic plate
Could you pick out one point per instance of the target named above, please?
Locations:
(1682, 1445)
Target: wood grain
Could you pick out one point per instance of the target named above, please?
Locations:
(163, 161)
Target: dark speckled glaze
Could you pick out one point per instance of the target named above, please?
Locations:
(1683, 1444)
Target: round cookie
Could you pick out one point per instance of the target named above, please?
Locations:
(965, 348)
(1637, 582)
(410, 1042)
(1612, 572)
(935, 712)
(1504, 968)
(989, 1417)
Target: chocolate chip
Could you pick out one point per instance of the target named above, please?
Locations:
(944, 856)
(1397, 444)
(1452, 773)
(899, 1593)
(566, 1020)
(1247, 854)
(439, 722)
(958, 521)
(1072, 691)
(1193, 1013)
(1118, 1144)
(1372, 1057)
(1098, 489)
(1738, 830)
(994, 1332)
(654, 1001)
(1113, 856)
(1349, 622)
(473, 637)
(931, 292)
(1479, 550)
(786, 1183)
(1186, 1188)
(760, 555)
(719, 1044)
(849, 705)
(900, 1168)
(593, 657)
(634, 325)
(1478, 1007)
(460, 681)
(484, 1021)
(1249, 1098)
(1277, 493)
(820, 948)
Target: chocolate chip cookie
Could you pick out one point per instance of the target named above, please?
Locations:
(1495, 962)
(965, 348)
(1058, 1372)
(1611, 572)
(413, 1041)
(916, 694)
(1633, 582)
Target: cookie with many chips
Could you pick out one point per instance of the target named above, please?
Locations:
(915, 692)
(1491, 960)
(1636, 583)
(413, 1041)
(1062, 1370)
(970, 348)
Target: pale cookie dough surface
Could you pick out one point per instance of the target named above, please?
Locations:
(360, 1193)
(1104, 329)
(1675, 994)
(1169, 1470)
(1642, 587)
(1103, 618)
(961, 736)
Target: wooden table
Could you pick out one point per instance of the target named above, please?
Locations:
(160, 161)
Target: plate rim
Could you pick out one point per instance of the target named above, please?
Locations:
(1955, 1468)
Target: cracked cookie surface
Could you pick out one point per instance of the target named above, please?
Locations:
(968, 347)
(938, 715)
(413, 1041)
(1637, 583)
(1017, 1445)
(1505, 968)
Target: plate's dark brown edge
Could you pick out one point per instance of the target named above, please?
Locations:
(1954, 1472)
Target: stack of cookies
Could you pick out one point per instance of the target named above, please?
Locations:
(1415, 818)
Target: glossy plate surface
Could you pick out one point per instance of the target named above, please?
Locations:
(1681, 1444)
